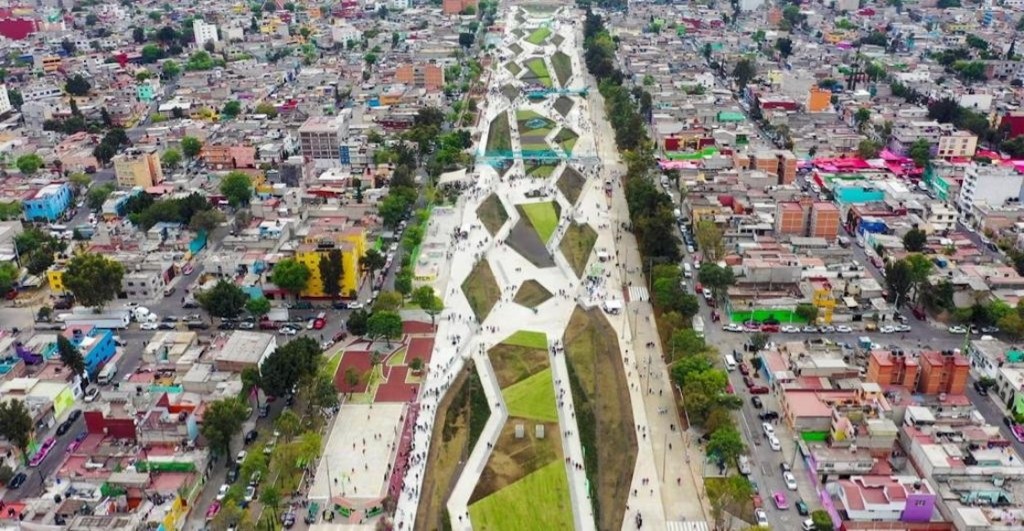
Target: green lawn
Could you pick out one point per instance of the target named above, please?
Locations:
(542, 496)
(576, 245)
(539, 69)
(540, 171)
(566, 138)
(514, 68)
(563, 67)
(499, 137)
(481, 290)
(331, 367)
(543, 218)
(526, 338)
(538, 36)
(532, 398)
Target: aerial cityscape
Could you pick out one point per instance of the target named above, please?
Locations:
(512, 265)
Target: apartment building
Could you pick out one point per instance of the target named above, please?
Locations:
(780, 163)
(994, 185)
(957, 145)
(943, 372)
(816, 219)
(5, 101)
(138, 168)
(204, 32)
(425, 76)
(320, 137)
(946, 140)
(454, 7)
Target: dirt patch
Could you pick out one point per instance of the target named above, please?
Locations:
(513, 363)
(462, 414)
(571, 184)
(563, 105)
(513, 459)
(524, 240)
(481, 289)
(514, 68)
(492, 214)
(510, 92)
(576, 245)
(532, 294)
(601, 396)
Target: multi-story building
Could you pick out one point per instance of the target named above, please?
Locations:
(204, 32)
(816, 219)
(889, 369)
(957, 145)
(427, 76)
(5, 101)
(943, 372)
(47, 203)
(779, 163)
(946, 140)
(138, 168)
(321, 136)
(994, 185)
(320, 240)
(342, 33)
(884, 498)
(454, 7)
(96, 345)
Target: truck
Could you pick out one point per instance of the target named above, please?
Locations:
(612, 306)
(108, 371)
(113, 319)
(698, 325)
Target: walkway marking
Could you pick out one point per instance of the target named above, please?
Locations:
(638, 294)
(676, 525)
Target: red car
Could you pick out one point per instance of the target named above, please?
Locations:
(759, 390)
(770, 328)
(319, 324)
(744, 370)
(748, 381)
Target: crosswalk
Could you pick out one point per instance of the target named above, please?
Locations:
(676, 525)
(638, 294)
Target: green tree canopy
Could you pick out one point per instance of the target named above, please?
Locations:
(258, 306)
(428, 301)
(29, 164)
(290, 275)
(93, 279)
(171, 159)
(222, 420)
(16, 425)
(914, 240)
(331, 270)
(224, 300)
(9, 275)
(384, 325)
(291, 364)
(70, 355)
(191, 146)
(237, 188)
(357, 322)
(716, 278)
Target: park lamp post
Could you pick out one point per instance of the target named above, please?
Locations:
(686, 414)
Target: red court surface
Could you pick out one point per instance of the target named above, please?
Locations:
(417, 327)
(420, 347)
(354, 359)
(395, 389)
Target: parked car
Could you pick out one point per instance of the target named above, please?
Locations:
(251, 436)
(957, 329)
(149, 326)
(744, 369)
(222, 491)
(769, 415)
(809, 329)
(990, 330)
(91, 394)
(981, 389)
(790, 329)
(774, 444)
(768, 429)
(759, 390)
(241, 456)
(756, 401)
(761, 516)
(287, 331)
(17, 481)
(63, 427)
(770, 328)
(843, 329)
(250, 495)
(732, 327)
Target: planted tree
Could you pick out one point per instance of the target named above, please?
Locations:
(222, 421)
(224, 300)
(290, 275)
(331, 270)
(70, 356)
(384, 325)
(93, 279)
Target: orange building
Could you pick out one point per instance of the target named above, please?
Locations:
(819, 100)
(943, 373)
(454, 7)
(780, 163)
(426, 76)
(807, 217)
(824, 220)
(892, 369)
(789, 218)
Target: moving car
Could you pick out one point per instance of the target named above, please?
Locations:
(757, 402)
(17, 481)
(790, 480)
(801, 508)
(222, 491)
(780, 500)
(774, 444)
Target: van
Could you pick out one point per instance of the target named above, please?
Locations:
(612, 306)
(687, 270)
(107, 373)
(730, 363)
(808, 525)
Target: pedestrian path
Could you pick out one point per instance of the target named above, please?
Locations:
(638, 294)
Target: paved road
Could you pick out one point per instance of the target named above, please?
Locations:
(36, 475)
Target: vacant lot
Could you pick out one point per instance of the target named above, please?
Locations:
(492, 214)
(563, 67)
(571, 184)
(499, 136)
(600, 394)
(543, 217)
(462, 413)
(576, 246)
(539, 500)
(531, 294)
(538, 36)
(481, 290)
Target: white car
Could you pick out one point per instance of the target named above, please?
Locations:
(762, 517)
(769, 430)
(774, 444)
(223, 491)
(309, 325)
(957, 329)
(732, 327)
(790, 480)
(148, 326)
(843, 329)
(902, 328)
(790, 329)
(887, 330)
(241, 456)
(250, 494)
(287, 330)
(356, 305)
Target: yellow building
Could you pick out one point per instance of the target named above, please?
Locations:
(55, 278)
(136, 168)
(321, 241)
